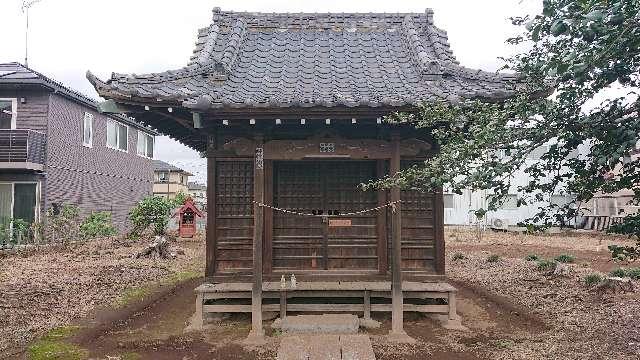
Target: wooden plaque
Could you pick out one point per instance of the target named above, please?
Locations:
(339, 222)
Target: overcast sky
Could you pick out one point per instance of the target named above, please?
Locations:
(69, 37)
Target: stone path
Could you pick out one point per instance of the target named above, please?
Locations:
(325, 347)
(323, 337)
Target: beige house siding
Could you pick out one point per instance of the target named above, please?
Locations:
(177, 182)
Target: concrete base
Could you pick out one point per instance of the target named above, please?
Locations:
(400, 338)
(255, 339)
(369, 323)
(449, 324)
(319, 324)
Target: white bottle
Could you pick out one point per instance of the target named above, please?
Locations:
(293, 281)
(283, 282)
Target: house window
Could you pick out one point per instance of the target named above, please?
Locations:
(510, 202)
(18, 201)
(8, 113)
(163, 176)
(87, 130)
(448, 201)
(117, 135)
(145, 144)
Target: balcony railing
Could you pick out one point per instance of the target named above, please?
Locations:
(22, 148)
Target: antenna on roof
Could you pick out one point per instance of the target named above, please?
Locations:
(26, 4)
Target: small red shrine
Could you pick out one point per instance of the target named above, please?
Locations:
(187, 218)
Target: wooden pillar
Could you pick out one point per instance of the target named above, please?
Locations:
(438, 205)
(381, 223)
(397, 332)
(211, 238)
(257, 332)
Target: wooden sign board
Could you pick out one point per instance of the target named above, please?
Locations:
(339, 222)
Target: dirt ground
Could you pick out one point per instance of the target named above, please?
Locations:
(512, 310)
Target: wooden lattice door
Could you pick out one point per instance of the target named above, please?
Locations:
(323, 243)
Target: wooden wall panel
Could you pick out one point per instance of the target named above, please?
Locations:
(234, 215)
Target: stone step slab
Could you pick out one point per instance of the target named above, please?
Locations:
(325, 347)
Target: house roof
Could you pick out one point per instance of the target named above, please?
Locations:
(280, 60)
(159, 165)
(16, 74)
(196, 186)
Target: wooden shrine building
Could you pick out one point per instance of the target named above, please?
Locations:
(288, 109)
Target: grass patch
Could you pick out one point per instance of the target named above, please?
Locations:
(565, 258)
(138, 293)
(532, 257)
(493, 258)
(132, 295)
(181, 276)
(504, 344)
(634, 273)
(619, 272)
(546, 265)
(458, 256)
(130, 356)
(54, 346)
(592, 279)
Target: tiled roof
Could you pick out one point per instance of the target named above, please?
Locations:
(159, 165)
(14, 73)
(261, 60)
(196, 186)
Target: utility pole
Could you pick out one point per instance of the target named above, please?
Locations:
(26, 4)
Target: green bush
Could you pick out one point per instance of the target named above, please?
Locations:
(634, 273)
(619, 272)
(458, 256)
(493, 258)
(532, 257)
(565, 258)
(546, 265)
(592, 279)
(97, 224)
(150, 211)
(64, 226)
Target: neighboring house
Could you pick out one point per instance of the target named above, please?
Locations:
(169, 180)
(56, 148)
(459, 209)
(198, 193)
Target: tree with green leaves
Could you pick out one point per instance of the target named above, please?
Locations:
(578, 88)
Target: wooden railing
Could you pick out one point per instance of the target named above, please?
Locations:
(22, 145)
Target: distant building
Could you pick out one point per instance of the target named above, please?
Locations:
(199, 194)
(56, 148)
(169, 180)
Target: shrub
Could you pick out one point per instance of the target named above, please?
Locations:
(63, 224)
(546, 265)
(493, 258)
(634, 273)
(97, 224)
(458, 256)
(565, 258)
(619, 272)
(150, 211)
(592, 279)
(532, 257)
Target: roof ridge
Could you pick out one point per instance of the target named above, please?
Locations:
(320, 20)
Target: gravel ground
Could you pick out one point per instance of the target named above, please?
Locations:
(584, 324)
(49, 288)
